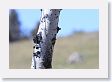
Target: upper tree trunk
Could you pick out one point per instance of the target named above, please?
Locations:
(45, 39)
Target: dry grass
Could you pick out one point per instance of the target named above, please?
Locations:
(84, 43)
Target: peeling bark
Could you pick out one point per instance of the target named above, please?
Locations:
(45, 39)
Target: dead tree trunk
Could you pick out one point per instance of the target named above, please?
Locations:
(45, 39)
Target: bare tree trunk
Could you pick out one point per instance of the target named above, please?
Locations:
(45, 39)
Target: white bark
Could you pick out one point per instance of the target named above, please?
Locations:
(45, 39)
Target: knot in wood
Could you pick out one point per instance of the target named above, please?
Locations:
(38, 38)
(58, 29)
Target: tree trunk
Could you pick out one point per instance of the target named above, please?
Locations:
(45, 39)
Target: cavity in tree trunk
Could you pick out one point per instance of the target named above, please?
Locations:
(45, 39)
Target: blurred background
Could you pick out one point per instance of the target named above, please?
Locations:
(77, 44)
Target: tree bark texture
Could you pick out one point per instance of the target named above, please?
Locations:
(45, 38)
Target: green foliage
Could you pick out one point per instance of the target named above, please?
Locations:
(14, 26)
(34, 31)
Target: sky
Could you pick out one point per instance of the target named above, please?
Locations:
(70, 20)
